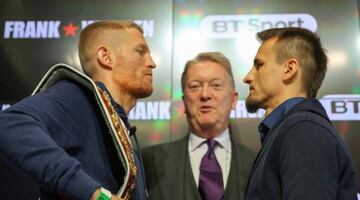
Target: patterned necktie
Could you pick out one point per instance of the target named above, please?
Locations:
(211, 185)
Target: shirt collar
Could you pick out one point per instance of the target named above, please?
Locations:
(269, 122)
(119, 109)
(223, 139)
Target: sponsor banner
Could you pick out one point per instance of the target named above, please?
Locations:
(55, 29)
(151, 110)
(342, 106)
(233, 26)
(161, 110)
(339, 107)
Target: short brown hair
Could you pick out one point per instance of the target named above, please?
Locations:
(89, 35)
(305, 46)
(216, 57)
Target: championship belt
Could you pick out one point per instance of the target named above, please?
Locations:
(123, 139)
(117, 129)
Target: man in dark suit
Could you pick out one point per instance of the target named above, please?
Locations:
(207, 163)
(302, 155)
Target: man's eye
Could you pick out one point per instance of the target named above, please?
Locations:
(258, 65)
(216, 86)
(194, 86)
(141, 51)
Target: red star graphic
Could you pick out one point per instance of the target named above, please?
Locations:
(70, 30)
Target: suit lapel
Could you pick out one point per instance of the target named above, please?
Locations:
(173, 170)
(167, 169)
(190, 191)
(230, 191)
(238, 174)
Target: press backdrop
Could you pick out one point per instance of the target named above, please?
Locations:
(36, 34)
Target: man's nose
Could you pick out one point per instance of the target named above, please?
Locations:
(151, 63)
(247, 78)
(205, 93)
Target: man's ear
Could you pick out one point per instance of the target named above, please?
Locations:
(105, 56)
(291, 68)
(183, 101)
(235, 97)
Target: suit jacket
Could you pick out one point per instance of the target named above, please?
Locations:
(303, 157)
(169, 174)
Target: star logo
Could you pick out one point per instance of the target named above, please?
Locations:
(70, 30)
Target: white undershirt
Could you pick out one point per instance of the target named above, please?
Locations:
(197, 150)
